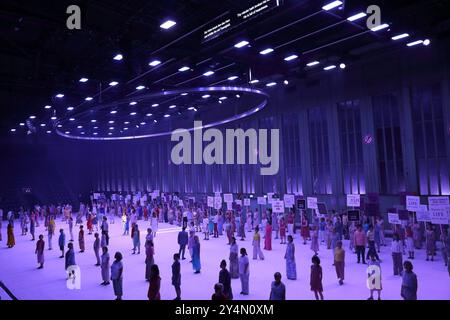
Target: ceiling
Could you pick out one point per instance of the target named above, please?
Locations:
(40, 56)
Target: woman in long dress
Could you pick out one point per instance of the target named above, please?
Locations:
(282, 231)
(257, 245)
(234, 263)
(11, 242)
(155, 223)
(244, 272)
(268, 237)
(431, 243)
(105, 266)
(275, 226)
(40, 244)
(315, 241)
(155, 284)
(291, 267)
(196, 265)
(149, 258)
(305, 229)
(136, 236)
(225, 280)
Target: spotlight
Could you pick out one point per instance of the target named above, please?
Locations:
(143, 123)
(223, 98)
(133, 113)
(166, 115)
(13, 130)
(32, 117)
(332, 5)
(183, 69)
(48, 107)
(22, 124)
(83, 80)
(400, 36)
(206, 96)
(271, 84)
(93, 121)
(286, 82)
(72, 119)
(184, 94)
(49, 132)
(415, 43)
(111, 121)
(356, 16)
(125, 129)
(254, 81)
(140, 87)
(113, 83)
(60, 95)
(155, 105)
(88, 98)
(95, 133)
(111, 128)
(154, 63)
(67, 132)
(70, 108)
(167, 24)
(426, 42)
(241, 44)
(342, 66)
(133, 103)
(79, 127)
(291, 57)
(149, 114)
(172, 107)
(113, 112)
(118, 57)
(53, 118)
(43, 124)
(266, 51)
(126, 122)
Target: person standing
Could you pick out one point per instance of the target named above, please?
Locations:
(155, 284)
(244, 272)
(360, 244)
(205, 227)
(182, 242)
(371, 239)
(268, 237)
(97, 248)
(51, 232)
(149, 258)
(196, 255)
(62, 242)
(316, 278)
(191, 243)
(339, 262)
(282, 231)
(409, 241)
(290, 223)
(257, 245)
(277, 288)
(105, 266)
(117, 275)
(314, 240)
(291, 268)
(417, 235)
(32, 225)
(136, 235)
(105, 229)
(234, 259)
(81, 239)
(71, 228)
(304, 229)
(409, 282)
(430, 241)
(225, 280)
(396, 249)
(176, 275)
(10, 242)
(40, 244)
(376, 285)
(70, 256)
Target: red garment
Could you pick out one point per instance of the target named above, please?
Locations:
(282, 228)
(268, 238)
(153, 289)
(305, 229)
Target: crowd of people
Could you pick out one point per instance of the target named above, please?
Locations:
(366, 237)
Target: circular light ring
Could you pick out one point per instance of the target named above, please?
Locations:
(234, 90)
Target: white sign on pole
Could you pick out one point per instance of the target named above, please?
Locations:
(278, 206)
(412, 203)
(217, 194)
(437, 202)
(311, 202)
(262, 200)
(422, 214)
(269, 197)
(180, 203)
(210, 201)
(353, 200)
(438, 216)
(247, 202)
(393, 218)
(228, 197)
(96, 196)
(289, 200)
(217, 202)
(238, 202)
(229, 205)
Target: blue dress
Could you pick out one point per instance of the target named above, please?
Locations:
(196, 257)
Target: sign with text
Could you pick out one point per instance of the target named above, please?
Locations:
(393, 218)
(439, 216)
(312, 202)
(412, 203)
(217, 202)
(289, 200)
(210, 201)
(353, 215)
(353, 200)
(437, 202)
(262, 200)
(238, 202)
(301, 204)
(247, 202)
(322, 208)
(227, 197)
(269, 197)
(278, 206)
(422, 214)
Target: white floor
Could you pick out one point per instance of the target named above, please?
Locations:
(18, 271)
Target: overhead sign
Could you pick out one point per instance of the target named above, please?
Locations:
(278, 206)
(312, 202)
(235, 19)
(412, 203)
(289, 200)
(353, 200)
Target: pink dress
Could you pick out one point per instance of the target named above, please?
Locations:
(268, 238)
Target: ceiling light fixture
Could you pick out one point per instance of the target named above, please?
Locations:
(400, 36)
(154, 63)
(167, 24)
(332, 5)
(291, 57)
(241, 44)
(357, 16)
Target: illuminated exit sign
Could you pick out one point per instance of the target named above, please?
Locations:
(235, 19)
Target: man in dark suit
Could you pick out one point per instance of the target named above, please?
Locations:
(182, 241)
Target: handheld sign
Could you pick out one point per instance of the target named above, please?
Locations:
(210, 201)
(353, 200)
(217, 202)
(412, 203)
(438, 216)
(422, 214)
(289, 200)
(278, 206)
(312, 202)
(238, 202)
(262, 200)
(353, 215)
(227, 197)
(393, 218)
(229, 205)
(322, 208)
(301, 204)
(247, 202)
(180, 203)
(437, 202)
(269, 197)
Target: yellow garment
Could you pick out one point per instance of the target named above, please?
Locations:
(339, 254)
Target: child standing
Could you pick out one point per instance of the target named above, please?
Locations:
(283, 231)
(316, 278)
